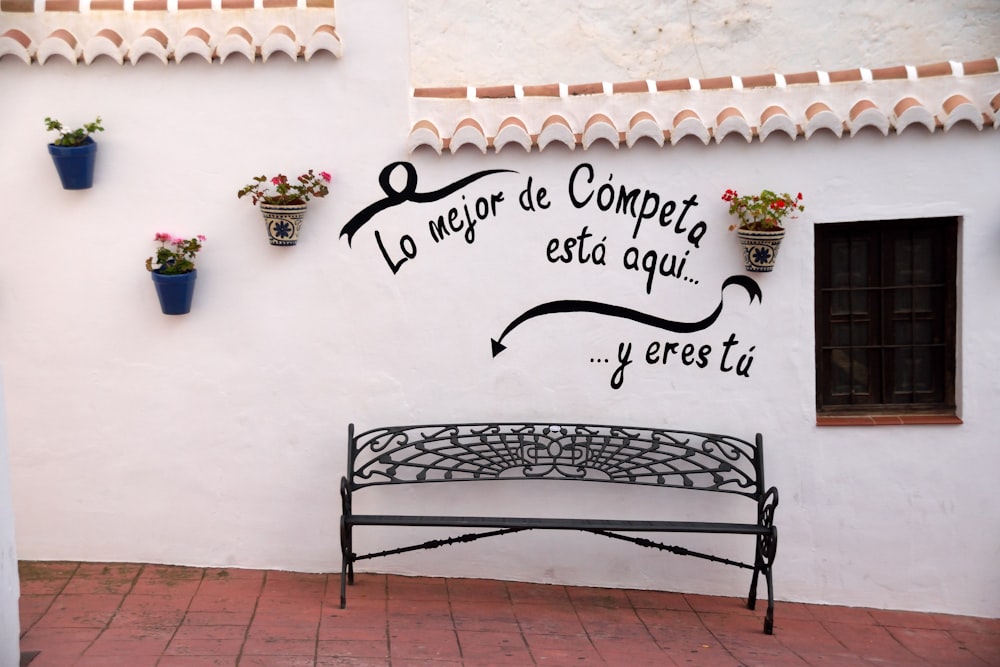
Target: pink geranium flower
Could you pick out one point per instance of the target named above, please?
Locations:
(177, 259)
(305, 187)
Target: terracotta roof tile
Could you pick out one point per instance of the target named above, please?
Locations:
(82, 31)
(673, 84)
(67, 5)
(586, 89)
(512, 130)
(598, 127)
(776, 119)
(17, 5)
(937, 69)
(717, 83)
(984, 66)
(938, 95)
(802, 77)
(492, 92)
(959, 108)
(909, 111)
(18, 37)
(732, 121)
(547, 90)
(687, 123)
(898, 72)
(759, 81)
(555, 128)
(151, 5)
(644, 125)
(845, 75)
(865, 113)
(631, 87)
(424, 133)
(468, 131)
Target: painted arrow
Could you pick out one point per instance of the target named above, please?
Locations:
(582, 306)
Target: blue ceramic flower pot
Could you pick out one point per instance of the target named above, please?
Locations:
(75, 164)
(175, 291)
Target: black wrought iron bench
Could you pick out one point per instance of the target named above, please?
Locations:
(502, 452)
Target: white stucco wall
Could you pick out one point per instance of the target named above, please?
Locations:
(10, 588)
(217, 438)
(543, 41)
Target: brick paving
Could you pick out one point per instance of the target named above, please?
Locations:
(135, 615)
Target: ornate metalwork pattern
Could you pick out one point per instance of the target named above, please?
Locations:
(656, 457)
(586, 452)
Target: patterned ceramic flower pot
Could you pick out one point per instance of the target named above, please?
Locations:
(760, 249)
(175, 291)
(75, 164)
(283, 222)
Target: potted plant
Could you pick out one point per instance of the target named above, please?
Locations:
(285, 207)
(74, 153)
(174, 273)
(759, 226)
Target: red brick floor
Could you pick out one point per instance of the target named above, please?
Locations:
(129, 615)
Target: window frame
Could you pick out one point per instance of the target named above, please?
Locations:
(880, 235)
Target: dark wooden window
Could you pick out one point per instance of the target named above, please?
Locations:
(885, 316)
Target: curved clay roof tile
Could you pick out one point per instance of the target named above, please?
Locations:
(425, 133)
(908, 111)
(512, 130)
(324, 38)
(865, 113)
(59, 43)
(236, 40)
(643, 125)
(195, 41)
(468, 131)
(108, 43)
(281, 39)
(687, 123)
(958, 108)
(819, 116)
(16, 43)
(556, 128)
(600, 126)
(152, 42)
(853, 100)
(731, 121)
(776, 119)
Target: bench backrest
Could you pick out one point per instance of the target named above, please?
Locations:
(589, 452)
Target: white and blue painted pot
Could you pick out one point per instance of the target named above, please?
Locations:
(283, 222)
(760, 249)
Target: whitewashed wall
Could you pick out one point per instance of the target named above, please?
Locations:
(541, 41)
(217, 438)
(10, 588)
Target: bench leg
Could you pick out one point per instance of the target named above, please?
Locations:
(752, 597)
(769, 614)
(346, 561)
(767, 547)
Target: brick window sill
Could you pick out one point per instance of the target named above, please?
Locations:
(885, 420)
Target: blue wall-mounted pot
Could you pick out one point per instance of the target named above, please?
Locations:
(75, 164)
(175, 291)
